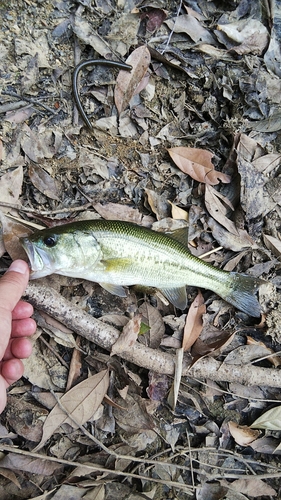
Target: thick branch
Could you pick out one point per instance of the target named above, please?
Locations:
(48, 300)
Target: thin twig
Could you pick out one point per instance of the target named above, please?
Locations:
(172, 31)
(29, 99)
(21, 208)
(94, 468)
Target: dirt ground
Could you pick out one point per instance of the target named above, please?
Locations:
(185, 141)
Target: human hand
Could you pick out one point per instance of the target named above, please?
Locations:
(15, 326)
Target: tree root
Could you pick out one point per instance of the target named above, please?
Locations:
(104, 335)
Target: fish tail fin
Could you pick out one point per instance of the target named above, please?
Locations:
(242, 293)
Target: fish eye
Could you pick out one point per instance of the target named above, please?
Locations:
(50, 241)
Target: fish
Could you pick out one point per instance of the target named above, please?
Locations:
(118, 254)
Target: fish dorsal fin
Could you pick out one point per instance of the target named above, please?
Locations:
(114, 289)
(180, 235)
(177, 296)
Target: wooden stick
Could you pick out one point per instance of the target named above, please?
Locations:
(104, 335)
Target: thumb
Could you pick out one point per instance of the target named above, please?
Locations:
(13, 284)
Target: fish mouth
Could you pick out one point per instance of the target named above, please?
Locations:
(40, 262)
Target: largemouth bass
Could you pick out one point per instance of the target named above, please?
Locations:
(117, 254)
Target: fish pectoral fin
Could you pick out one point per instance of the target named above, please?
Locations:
(114, 289)
(177, 296)
(118, 264)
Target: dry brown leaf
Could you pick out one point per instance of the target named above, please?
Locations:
(128, 336)
(241, 30)
(44, 182)
(135, 417)
(267, 163)
(155, 323)
(81, 402)
(128, 82)
(275, 360)
(116, 211)
(188, 24)
(10, 187)
(194, 322)
(235, 242)
(10, 475)
(158, 203)
(251, 485)
(178, 213)
(12, 231)
(41, 466)
(273, 244)
(217, 210)
(242, 434)
(197, 163)
(75, 368)
(266, 444)
(174, 391)
(201, 349)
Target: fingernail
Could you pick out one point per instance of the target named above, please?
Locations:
(19, 266)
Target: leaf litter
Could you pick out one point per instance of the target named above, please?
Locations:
(191, 137)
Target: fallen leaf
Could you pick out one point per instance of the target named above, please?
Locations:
(158, 386)
(241, 30)
(37, 146)
(31, 75)
(252, 181)
(40, 466)
(111, 211)
(155, 323)
(254, 44)
(10, 187)
(81, 402)
(251, 485)
(158, 203)
(212, 491)
(197, 163)
(193, 322)
(85, 32)
(10, 475)
(266, 444)
(44, 182)
(188, 24)
(245, 354)
(275, 360)
(155, 18)
(270, 420)
(201, 349)
(273, 244)
(43, 368)
(235, 242)
(217, 210)
(135, 417)
(128, 336)
(12, 232)
(128, 81)
(174, 391)
(242, 434)
(178, 213)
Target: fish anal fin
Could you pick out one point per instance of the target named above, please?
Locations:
(177, 296)
(114, 289)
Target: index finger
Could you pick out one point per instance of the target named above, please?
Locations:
(13, 284)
